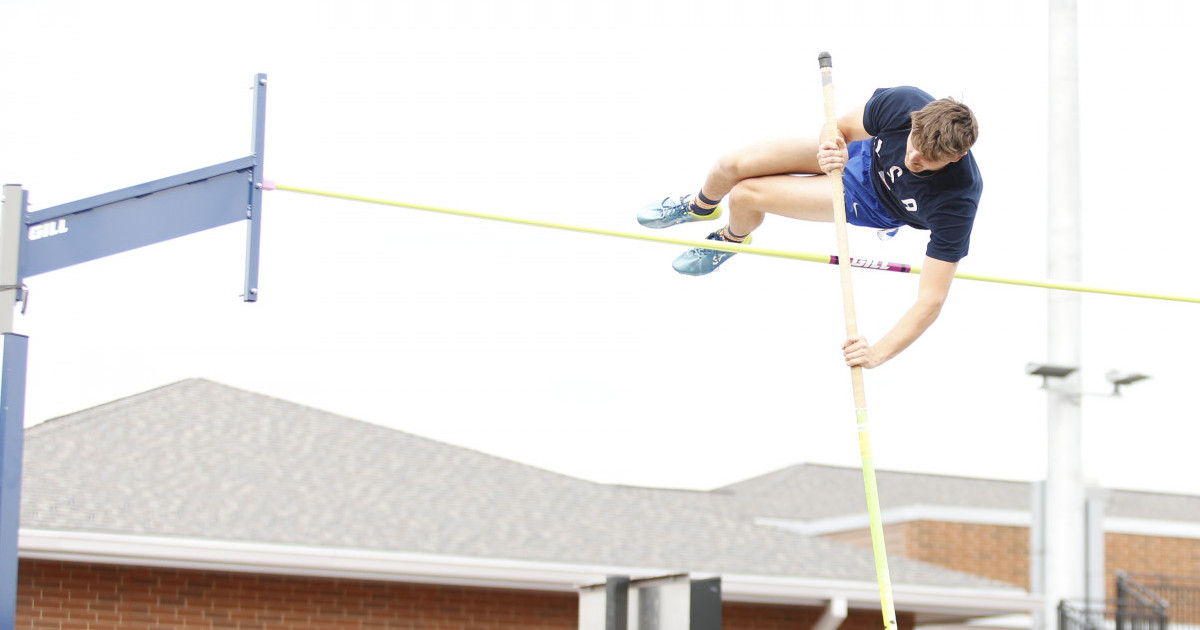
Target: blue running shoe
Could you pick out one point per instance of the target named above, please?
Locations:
(699, 261)
(673, 212)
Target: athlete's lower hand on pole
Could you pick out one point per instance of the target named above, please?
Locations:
(859, 353)
(832, 155)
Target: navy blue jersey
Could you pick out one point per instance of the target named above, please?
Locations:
(943, 201)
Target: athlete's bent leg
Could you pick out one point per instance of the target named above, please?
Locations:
(804, 197)
(771, 157)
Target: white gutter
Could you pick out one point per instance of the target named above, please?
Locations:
(298, 560)
(905, 514)
(1148, 527)
(978, 516)
(908, 598)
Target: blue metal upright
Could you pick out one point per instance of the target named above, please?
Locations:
(37, 242)
(254, 213)
(12, 441)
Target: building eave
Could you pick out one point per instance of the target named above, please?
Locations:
(971, 515)
(364, 564)
(927, 602)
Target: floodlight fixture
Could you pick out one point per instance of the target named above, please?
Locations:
(1118, 378)
(1047, 371)
(1051, 371)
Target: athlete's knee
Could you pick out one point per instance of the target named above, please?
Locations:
(748, 194)
(725, 169)
(736, 166)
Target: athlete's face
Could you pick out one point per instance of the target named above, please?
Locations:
(917, 163)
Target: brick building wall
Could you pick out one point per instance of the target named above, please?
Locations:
(998, 552)
(776, 617)
(70, 596)
(1159, 555)
(1001, 552)
(1169, 566)
(55, 595)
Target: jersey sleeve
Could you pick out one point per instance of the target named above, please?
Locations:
(950, 232)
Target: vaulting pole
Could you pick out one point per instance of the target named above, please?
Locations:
(856, 373)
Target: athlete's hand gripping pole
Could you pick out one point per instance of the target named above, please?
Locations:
(856, 373)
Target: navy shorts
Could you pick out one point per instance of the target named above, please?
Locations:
(863, 207)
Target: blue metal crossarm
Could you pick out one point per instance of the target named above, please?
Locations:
(140, 190)
(135, 217)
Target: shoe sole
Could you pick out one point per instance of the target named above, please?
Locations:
(689, 218)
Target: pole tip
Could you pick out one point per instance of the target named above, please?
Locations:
(825, 59)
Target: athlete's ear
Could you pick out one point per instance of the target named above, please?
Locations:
(958, 158)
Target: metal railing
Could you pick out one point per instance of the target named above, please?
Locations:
(1179, 594)
(1110, 614)
(1143, 602)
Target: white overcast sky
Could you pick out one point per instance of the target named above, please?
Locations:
(587, 354)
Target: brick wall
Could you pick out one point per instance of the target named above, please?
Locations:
(1002, 552)
(995, 551)
(69, 596)
(73, 596)
(1157, 555)
(999, 552)
(736, 616)
(1168, 566)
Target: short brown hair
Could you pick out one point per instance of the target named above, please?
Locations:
(944, 129)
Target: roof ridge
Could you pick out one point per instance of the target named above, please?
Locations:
(769, 482)
(66, 421)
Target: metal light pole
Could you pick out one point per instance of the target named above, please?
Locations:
(1064, 526)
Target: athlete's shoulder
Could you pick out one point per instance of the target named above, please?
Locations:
(902, 92)
(970, 169)
(960, 182)
(890, 109)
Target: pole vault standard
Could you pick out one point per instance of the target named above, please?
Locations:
(856, 372)
(38, 242)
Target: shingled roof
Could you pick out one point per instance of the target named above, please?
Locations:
(206, 464)
(809, 492)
